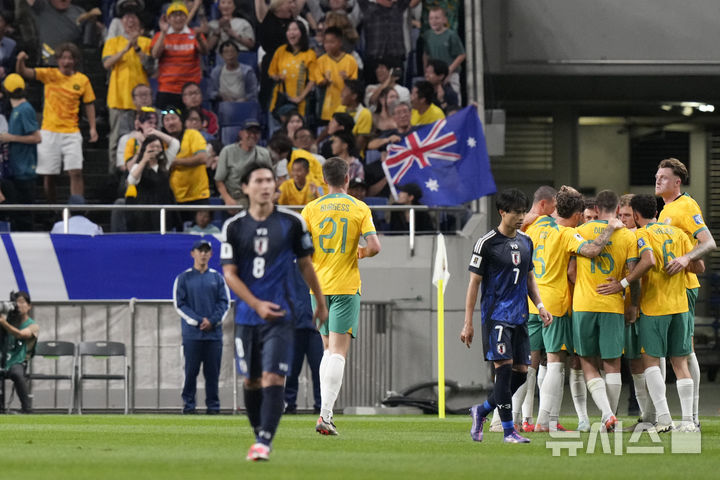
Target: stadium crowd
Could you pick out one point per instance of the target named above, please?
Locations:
(197, 89)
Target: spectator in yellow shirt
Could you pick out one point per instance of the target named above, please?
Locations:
(351, 98)
(332, 69)
(424, 110)
(298, 190)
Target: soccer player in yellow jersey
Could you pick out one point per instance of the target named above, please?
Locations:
(524, 397)
(554, 242)
(598, 322)
(336, 222)
(663, 327)
(682, 211)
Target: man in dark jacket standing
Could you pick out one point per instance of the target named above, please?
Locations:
(202, 300)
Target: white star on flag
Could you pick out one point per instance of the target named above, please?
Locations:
(471, 142)
(432, 185)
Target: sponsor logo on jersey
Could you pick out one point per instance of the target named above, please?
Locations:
(514, 246)
(515, 257)
(261, 245)
(579, 237)
(698, 219)
(475, 261)
(501, 348)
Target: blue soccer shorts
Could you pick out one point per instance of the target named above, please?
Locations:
(506, 341)
(264, 348)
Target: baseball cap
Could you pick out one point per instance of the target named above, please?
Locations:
(13, 82)
(250, 123)
(176, 7)
(202, 245)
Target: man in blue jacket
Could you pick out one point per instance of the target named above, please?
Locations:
(202, 300)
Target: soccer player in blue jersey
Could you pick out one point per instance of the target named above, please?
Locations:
(259, 247)
(502, 263)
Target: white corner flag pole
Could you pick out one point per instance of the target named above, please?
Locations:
(440, 278)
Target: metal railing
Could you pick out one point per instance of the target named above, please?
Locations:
(151, 332)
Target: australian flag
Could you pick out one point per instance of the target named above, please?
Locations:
(448, 160)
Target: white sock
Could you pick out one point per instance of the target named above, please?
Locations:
(685, 390)
(641, 393)
(578, 390)
(613, 383)
(517, 400)
(323, 362)
(496, 418)
(663, 368)
(598, 391)
(656, 390)
(542, 371)
(528, 400)
(330, 384)
(694, 368)
(555, 412)
(549, 393)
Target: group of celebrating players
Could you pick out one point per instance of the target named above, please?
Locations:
(591, 293)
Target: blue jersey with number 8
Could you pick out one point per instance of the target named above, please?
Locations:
(264, 253)
(504, 264)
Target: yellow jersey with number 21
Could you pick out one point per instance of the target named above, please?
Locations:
(336, 222)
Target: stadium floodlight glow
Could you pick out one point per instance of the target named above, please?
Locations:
(666, 107)
(687, 111)
(707, 108)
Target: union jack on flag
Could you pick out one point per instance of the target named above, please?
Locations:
(448, 160)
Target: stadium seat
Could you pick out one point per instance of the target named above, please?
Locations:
(381, 224)
(246, 58)
(229, 135)
(4, 227)
(51, 351)
(100, 350)
(235, 113)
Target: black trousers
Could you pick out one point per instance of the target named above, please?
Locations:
(16, 373)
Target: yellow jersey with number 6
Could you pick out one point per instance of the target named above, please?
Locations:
(591, 272)
(663, 294)
(336, 222)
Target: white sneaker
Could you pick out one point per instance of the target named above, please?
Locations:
(688, 427)
(583, 425)
(664, 427)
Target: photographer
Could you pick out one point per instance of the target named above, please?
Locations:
(20, 334)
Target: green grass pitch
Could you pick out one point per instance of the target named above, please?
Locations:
(198, 447)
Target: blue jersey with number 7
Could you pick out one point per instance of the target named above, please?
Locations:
(336, 222)
(504, 264)
(264, 252)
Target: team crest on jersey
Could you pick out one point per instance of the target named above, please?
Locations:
(261, 245)
(641, 243)
(515, 257)
(698, 219)
(501, 348)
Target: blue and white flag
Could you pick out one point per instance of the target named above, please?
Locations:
(448, 160)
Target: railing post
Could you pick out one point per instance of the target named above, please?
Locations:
(66, 220)
(412, 232)
(163, 227)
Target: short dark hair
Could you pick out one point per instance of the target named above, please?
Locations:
(678, 168)
(607, 201)
(335, 31)
(425, 90)
(440, 67)
(134, 90)
(197, 110)
(645, 205)
(348, 138)
(251, 167)
(544, 192)
(335, 170)
(512, 200)
(345, 120)
(308, 129)
(569, 202)
(227, 43)
(17, 94)
(22, 294)
(356, 88)
(590, 203)
(302, 161)
(280, 142)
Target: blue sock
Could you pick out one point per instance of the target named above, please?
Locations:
(273, 404)
(253, 401)
(486, 408)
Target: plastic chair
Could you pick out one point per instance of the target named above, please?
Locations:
(53, 350)
(235, 113)
(100, 349)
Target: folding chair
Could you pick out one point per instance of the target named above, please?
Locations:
(100, 349)
(53, 350)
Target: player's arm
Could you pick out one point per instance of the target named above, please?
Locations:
(705, 245)
(371, 249)
(696, 266)
(572, 270)
(593, 249)
(266, 310)
(647, 261)
(534, 294)
(308, 273)
(467, 333)
(27, 333)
